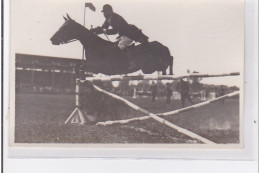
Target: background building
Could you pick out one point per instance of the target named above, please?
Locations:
(41, 74)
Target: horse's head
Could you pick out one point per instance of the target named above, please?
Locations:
(66, 33)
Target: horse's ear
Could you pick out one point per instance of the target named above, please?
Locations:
(68, 17)
(65, 18)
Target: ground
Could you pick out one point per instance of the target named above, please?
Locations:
(40, 119)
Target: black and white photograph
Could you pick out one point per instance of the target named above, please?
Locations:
(110, 73)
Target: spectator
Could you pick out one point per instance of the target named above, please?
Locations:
(168, 93)
(154, 92)
(221, 93)
(183, 87)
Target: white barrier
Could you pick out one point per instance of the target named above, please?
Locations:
(169, 113)
(155, 117)
(77, 116)
(149, 77)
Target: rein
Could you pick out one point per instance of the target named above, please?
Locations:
(69, 41)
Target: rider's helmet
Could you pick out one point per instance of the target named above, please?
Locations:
(107, 8)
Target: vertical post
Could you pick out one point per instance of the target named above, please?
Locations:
(84, 26)
(52, 77)
(32, 79)
(32, 76)
(77, 92)
(81, 72)
(71, 77)
(134, 96)
(77, 116)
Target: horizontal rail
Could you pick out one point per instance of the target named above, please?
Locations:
(149, 77)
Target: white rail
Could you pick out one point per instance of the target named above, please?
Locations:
(149, 77)
(155, 117)
(169, 113)
(151, 115)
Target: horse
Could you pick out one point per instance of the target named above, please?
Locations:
(105, 57)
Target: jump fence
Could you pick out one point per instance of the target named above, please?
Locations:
(78, 117)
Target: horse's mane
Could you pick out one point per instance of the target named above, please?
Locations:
(93, 36)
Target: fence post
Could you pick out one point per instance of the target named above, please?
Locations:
(77, 116)
(77, 92)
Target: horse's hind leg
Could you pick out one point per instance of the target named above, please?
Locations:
(171, 65)
(164, 72)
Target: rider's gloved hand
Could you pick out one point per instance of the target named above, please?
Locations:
(97, 30)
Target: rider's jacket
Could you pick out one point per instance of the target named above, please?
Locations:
(121, 27)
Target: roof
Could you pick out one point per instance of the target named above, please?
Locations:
(38, 61)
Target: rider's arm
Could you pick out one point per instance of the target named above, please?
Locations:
(97, 30)
(119, 23)
(100, 30)
(104, 29)
(106, 25)
(111, 31)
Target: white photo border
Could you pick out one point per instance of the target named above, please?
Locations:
(249, 152)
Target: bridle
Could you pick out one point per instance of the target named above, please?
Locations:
(64, 42)
(69, 41)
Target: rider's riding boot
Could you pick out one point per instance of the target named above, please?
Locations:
(128, 49)
(115, 44)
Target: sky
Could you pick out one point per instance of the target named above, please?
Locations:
(203, 35)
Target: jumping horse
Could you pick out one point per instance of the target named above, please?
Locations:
(105, 57)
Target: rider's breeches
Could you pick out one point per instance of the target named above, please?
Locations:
(124, 42)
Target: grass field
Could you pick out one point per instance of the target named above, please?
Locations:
(40, 119)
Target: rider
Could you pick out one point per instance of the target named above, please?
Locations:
(127, 32)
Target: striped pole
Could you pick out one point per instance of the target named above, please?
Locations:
(77, 92)
(155, 117)
(169, 113)
(76, 116)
